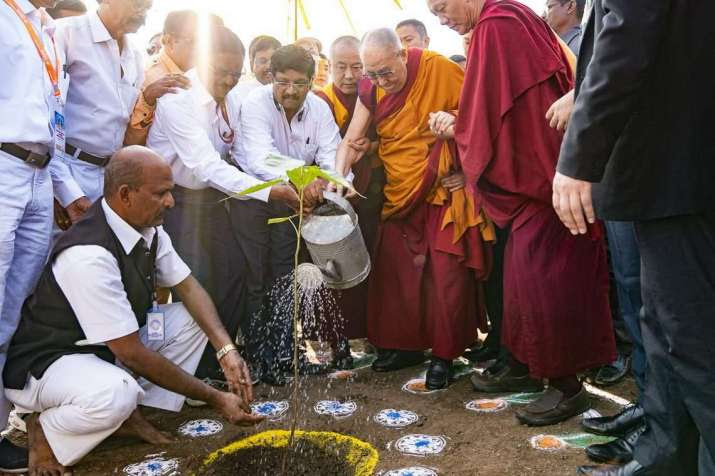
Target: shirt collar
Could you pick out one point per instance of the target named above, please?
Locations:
(572, 33)
(198, 89)
(127, 235)
(100, 33)
(168, 63)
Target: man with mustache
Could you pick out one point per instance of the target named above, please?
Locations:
(556, 320)
(106, 73)
(198, 132)
(430, 251)
(279, 119)
(93, 345)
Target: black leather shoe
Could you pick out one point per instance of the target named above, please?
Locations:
(503, 380)
(554, 407)
(631, 469)
(481, 354)
(618, 425)
(342, 359)
(392, 360)
(438, 374)
(618, 451)
(13, 458)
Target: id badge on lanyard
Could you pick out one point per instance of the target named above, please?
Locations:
(58, 119)
(58, 127)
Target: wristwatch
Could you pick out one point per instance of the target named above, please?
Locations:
(225, 350)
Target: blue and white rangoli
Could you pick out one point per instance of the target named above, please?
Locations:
(198, 428)
(421, 445)
(335, 408)
(396, 418)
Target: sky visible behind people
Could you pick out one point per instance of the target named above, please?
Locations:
(270, 17)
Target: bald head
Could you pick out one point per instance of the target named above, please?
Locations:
(344, 44)
(137, 186)
(383, 39)
(127, 167)
(384, 59)
(345, 64)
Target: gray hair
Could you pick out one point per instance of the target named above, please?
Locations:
(383, 38)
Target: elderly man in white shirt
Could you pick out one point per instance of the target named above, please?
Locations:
(93, 344)
(282, 118)
(106, 73)
(197, 132)
(27, 176)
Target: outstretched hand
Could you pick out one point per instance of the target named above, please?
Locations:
(232, 408)
(572, 200)
(238, 377)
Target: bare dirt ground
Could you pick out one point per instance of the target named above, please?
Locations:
(477, 443)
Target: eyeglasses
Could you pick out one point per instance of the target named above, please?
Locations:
(220, 72)
(374, 76)
(297, 85)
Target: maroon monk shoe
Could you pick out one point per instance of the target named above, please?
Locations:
(504, 380)
(554, 407)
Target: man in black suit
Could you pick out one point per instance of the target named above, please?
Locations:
(640, 144)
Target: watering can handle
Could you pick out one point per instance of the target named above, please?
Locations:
(342, 203)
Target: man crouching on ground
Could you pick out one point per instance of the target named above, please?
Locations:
(92, 344)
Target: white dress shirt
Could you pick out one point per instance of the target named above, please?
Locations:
(90, 279)
(244, 88)
(26, 96)
(312, 135)
(104, 86)
(187, 132)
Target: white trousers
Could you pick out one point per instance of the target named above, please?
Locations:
(25, 227)
(82, 399)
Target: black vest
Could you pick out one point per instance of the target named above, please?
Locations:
(48, 326)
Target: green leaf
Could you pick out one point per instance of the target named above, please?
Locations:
(338, 180)
(275, 221)
(260, 186)
(301, 177)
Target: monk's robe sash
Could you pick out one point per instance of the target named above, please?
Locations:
(415, 160)
(343, 107)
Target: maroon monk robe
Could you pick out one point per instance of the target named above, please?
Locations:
(556, 311)
(424, 288)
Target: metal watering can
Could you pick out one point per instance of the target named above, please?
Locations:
(335, 243)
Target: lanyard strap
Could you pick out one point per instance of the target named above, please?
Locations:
(52, 70)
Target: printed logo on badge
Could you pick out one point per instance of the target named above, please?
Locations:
(155, 325)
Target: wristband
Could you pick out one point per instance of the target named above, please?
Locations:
(225, 350)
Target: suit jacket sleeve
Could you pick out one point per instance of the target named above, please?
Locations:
(625, 49)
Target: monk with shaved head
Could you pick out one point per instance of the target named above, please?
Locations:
(93, 344)
(430, 253)
(342, 97)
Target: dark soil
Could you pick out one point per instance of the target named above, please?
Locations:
(305, 459)
(486, 444)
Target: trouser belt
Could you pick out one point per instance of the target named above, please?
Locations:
(85, 157)
(31, 158)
